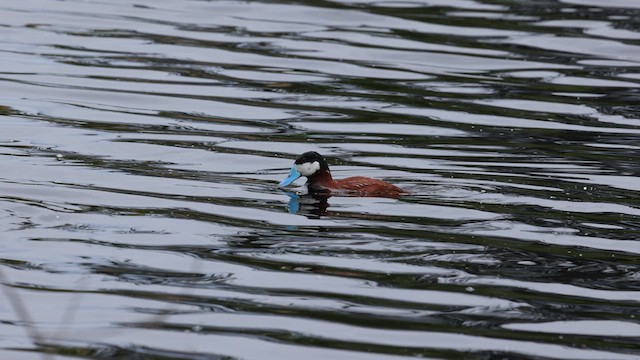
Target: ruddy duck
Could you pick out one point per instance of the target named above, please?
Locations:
(315, 168)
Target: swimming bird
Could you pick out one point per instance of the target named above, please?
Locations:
(319, 179)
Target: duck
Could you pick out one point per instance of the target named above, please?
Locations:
(319, 180)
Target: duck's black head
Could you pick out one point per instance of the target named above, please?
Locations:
(307, 164)
(310, 162)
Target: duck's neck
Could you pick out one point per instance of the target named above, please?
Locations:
(321, 180)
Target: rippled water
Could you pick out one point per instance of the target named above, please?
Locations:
(141, 143)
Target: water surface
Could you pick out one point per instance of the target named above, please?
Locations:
(141, 143)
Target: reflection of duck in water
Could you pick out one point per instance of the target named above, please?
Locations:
(319, 180)
(312, 205)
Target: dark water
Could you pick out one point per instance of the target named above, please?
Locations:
(141, 143)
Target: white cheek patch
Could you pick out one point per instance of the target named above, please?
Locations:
(308, 169)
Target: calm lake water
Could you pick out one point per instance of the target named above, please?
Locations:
(141, 143)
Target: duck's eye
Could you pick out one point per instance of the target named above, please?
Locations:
(308, 168)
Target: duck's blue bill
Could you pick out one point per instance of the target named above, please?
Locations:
(293, 175)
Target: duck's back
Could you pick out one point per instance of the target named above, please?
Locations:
(364, 186)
